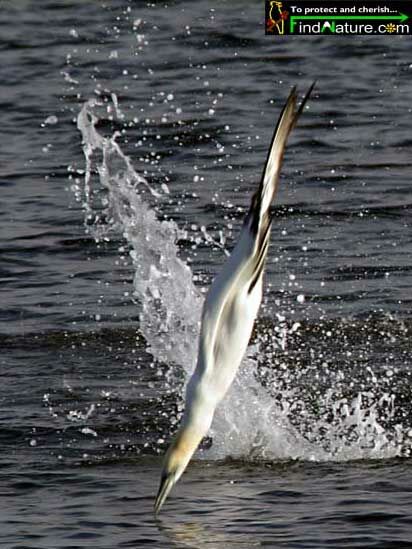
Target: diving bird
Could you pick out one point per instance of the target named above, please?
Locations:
(229, 312)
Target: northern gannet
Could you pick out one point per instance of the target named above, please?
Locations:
(229, 312)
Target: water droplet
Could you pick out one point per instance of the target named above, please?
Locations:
(51, 120)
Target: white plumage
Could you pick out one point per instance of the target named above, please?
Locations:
(229, 312)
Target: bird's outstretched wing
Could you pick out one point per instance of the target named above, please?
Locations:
(229, 312)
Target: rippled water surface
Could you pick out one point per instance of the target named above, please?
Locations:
(133, 135)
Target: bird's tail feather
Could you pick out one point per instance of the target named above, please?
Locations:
(263, 197)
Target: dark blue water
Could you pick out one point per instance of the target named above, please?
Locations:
(88, 394)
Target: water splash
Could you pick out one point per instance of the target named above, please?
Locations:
(268, 413)
(163, 284)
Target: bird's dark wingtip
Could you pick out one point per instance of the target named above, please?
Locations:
(304, 100)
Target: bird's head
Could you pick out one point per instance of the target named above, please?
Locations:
(176, 460)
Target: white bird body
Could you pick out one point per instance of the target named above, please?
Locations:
(228, 316)
(229, 312)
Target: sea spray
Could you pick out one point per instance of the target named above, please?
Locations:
(268, 413)
(170, 303)
(163, 285)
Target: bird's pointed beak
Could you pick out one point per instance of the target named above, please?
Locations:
(176, 459)
(166, 484)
